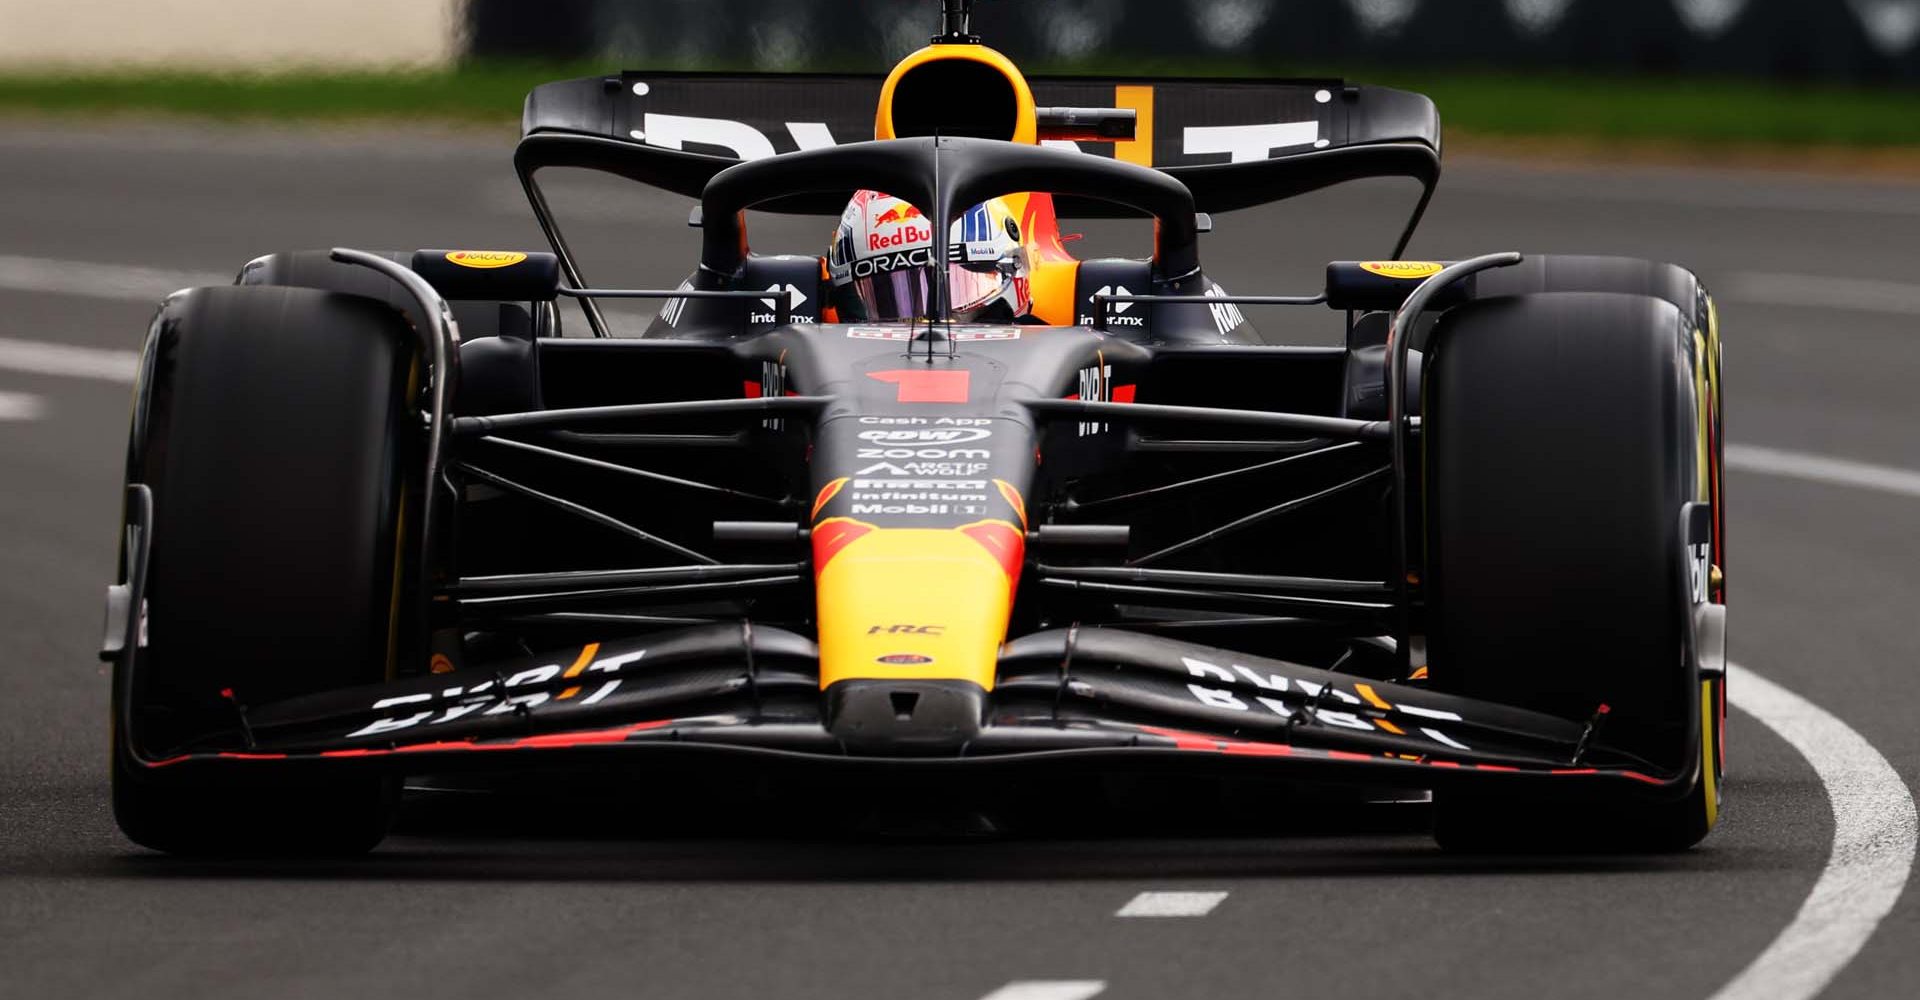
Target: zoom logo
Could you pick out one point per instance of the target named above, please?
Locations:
(932, 453)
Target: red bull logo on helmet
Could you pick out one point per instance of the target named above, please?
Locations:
(900, 212)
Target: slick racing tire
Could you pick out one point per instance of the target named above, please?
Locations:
(270, 430)
(1563, 437)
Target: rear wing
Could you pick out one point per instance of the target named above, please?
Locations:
(1234, 143)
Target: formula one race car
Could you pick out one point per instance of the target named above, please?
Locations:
(943, 499)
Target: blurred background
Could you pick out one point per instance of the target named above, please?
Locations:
(1757, 71)
(1832, 40)
(1802, 40)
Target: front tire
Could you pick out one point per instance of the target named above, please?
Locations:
(1562, 437)
(271, 432)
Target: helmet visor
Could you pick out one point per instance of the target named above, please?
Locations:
(893, 295)
(971, 286)
(906, 294)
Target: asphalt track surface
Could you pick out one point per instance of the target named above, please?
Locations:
(619, 897)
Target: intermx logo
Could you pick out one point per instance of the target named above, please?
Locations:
(1116, 311)
(795, 299)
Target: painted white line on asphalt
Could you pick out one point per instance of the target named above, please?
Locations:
(67, 360)
(21, 406)
(1172, 904)
(1821, 469)
(1874, 830)
(99, 281)
(1818, 292)
(1048, 989)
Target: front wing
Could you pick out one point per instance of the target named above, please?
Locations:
(1091, 698)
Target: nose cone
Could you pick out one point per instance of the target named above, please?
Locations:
(914, 603)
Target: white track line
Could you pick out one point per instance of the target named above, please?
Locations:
(1172, 904)
(67, 360)
(21, 406)
(1816, 292)
(1049, 989)
(1820, 469)
(99, 281)
(1874, 829)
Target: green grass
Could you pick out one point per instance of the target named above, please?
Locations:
(1679, 110)
(1697, 111)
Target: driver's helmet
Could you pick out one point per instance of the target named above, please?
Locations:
(881, 263)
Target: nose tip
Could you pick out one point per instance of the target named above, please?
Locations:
(932, 718)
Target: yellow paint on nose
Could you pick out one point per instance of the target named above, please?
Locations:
(915, 603)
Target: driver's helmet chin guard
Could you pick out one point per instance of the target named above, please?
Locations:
(881, 263)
